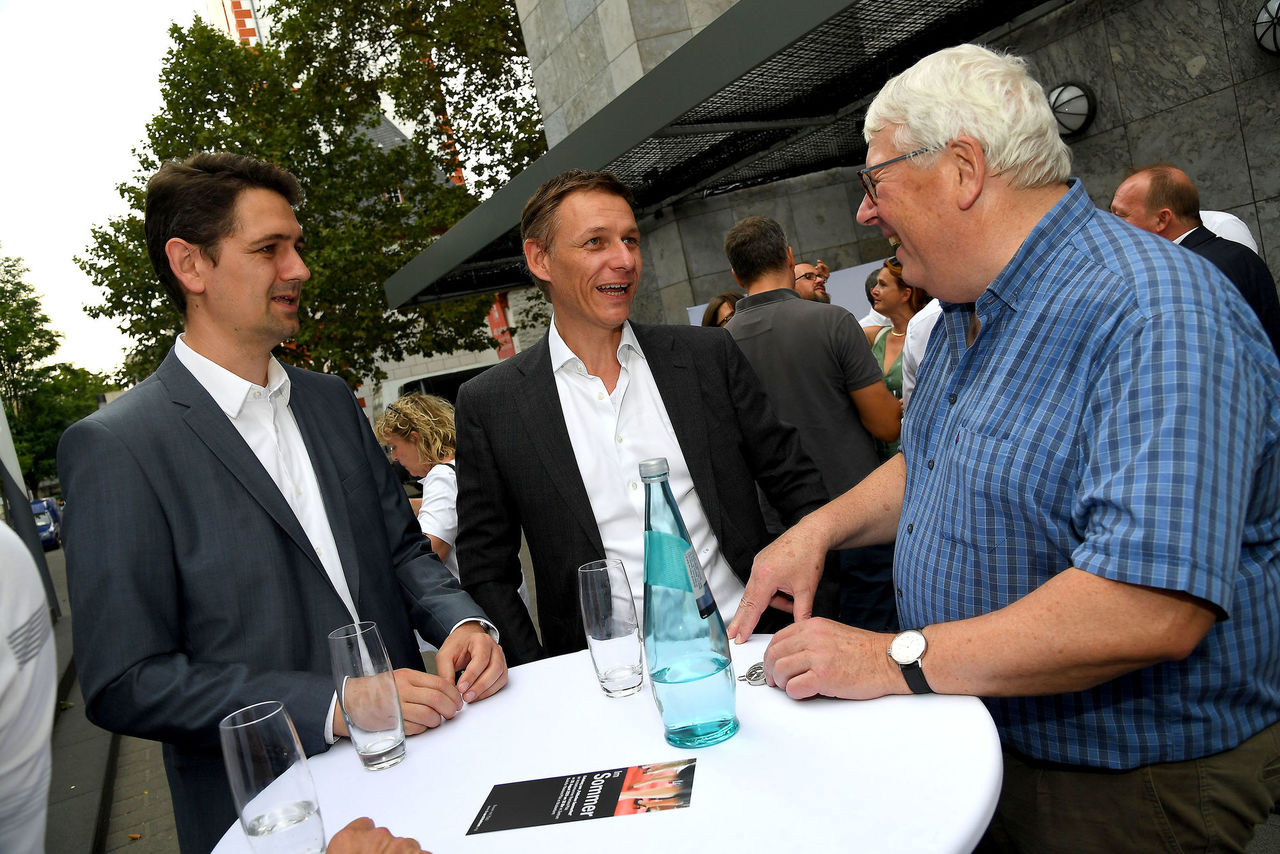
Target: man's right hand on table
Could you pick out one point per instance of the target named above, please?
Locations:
(362, 837)
(426, 701)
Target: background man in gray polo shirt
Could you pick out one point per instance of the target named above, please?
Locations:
(818, 371)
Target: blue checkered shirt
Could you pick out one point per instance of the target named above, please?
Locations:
(1119, 413)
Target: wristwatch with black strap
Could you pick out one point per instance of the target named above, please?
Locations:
(906, 649)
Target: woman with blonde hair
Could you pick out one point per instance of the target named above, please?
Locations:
(419, 430)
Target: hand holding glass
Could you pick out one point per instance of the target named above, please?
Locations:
(270, 782)
(367, 694)
(613, 633)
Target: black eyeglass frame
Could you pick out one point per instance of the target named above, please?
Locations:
(869, 184)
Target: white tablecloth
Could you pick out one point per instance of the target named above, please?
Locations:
(909, 773)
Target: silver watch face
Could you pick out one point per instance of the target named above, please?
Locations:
(907, 647)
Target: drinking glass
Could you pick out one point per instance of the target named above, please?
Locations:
(613, 633)
(270, 782)
(367, 694)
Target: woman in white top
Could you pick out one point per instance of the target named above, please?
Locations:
(419, 429)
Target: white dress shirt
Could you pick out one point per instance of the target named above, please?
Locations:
(611, 434)
(874, 318)
(919, 328)
(1230, 227)
(262, 416)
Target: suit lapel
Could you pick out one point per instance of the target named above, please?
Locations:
(324, 456)
(212, 427)
(675, 374)
(539, 404)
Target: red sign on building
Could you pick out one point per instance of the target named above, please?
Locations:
(498, 327)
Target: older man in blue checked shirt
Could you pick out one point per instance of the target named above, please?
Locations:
(1087, 506)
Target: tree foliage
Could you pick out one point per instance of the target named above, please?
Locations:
(456, 67)
(307, 101)
(26, 338)
(40, 401)
(59, 395)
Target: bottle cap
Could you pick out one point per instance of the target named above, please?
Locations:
(656, 467)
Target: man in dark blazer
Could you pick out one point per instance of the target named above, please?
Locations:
(521, 454)
(1162, 200)
(209, 554)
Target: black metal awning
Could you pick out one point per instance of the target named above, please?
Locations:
(767, 91)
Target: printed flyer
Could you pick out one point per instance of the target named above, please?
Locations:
(595, 794)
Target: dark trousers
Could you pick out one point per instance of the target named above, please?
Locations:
(866, 588)
(1211, 804)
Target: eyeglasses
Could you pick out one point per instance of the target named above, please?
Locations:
(722, 321)
(812, 277)
(869, 183)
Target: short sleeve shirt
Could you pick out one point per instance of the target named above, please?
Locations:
(809, 356)
(1119, 412)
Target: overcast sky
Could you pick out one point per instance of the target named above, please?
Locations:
(80, 81)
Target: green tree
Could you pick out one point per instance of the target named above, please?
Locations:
(58, 396)
(26, 339)
(305, 102)
(454, 67)
(40, 401)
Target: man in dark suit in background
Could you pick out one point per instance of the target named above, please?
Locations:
(229, 512)
(550, 440)
(1162, 200)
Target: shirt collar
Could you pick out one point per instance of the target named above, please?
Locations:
(766, 297)
(561, 355)
(1040, 247)
(228, 390)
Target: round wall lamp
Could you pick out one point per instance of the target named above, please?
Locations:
(1074, 106)
(1265, 27)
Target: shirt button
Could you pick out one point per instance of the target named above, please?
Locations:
(930, 464)
(619, 439)
(951, 398)
(899, 592)
(599, 395)
(635, 485)
(910, 527)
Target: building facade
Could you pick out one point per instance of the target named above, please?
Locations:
(1177, 80)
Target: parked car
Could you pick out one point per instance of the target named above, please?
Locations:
(48, 522)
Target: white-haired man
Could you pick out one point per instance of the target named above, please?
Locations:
(1087, 507)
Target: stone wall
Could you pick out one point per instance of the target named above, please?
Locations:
(586, 52)
(1176, 80)
(683, 246)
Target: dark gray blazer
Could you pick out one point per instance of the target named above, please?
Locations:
(196, 591)
(517, 471)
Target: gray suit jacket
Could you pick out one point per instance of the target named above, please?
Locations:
(195, 589)
(516, 470)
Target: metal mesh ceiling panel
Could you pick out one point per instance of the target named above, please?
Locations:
(811, 96)
(798, 111)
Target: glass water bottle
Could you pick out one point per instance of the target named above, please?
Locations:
(685, 644)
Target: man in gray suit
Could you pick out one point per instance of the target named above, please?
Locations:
(549, 441)
(229, 512)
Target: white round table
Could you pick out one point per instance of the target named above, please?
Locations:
(907, 773)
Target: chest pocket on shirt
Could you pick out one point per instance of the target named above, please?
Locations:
(984, 486)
